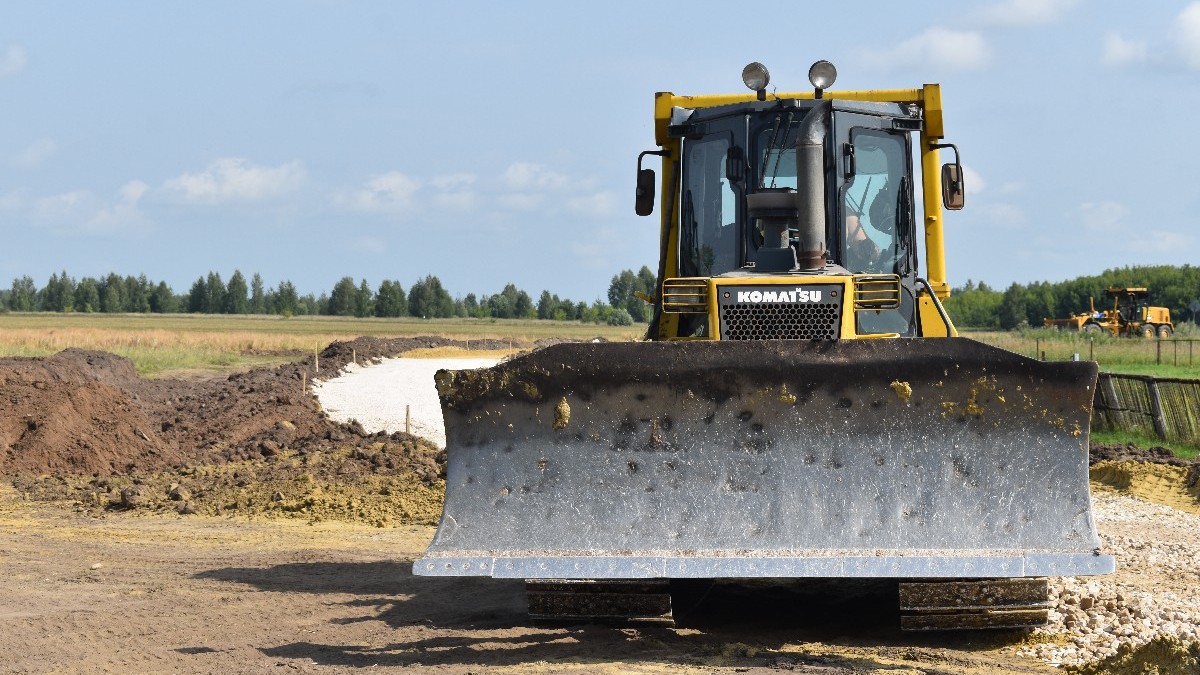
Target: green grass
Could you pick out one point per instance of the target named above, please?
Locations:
(1181, 450)
(1178, 358)
(173, 343)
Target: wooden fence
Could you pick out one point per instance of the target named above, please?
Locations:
(1164, 407)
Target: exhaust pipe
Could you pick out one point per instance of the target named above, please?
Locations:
(780, 210)
(810, 186)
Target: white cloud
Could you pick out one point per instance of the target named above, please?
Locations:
(13, 60)
(233, 179)
(1103, 217)
(122, 215)
(36, 153)
(529, 176)
(936, 48)
(1186, 33)
(1121, 52)
(63, 207)
(392, 192)
(1025, 13)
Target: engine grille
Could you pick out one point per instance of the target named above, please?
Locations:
(781, 320)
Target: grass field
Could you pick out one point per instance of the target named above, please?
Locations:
(1176, 357)
(164, 344)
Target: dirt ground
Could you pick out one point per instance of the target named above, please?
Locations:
(227, 525)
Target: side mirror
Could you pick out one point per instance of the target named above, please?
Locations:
(644, 203)
(954, 193)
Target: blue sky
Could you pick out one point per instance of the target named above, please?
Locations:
(490, 143)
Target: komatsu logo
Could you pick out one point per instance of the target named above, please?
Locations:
(796, 295)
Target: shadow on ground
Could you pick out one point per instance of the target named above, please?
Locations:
(482, 622)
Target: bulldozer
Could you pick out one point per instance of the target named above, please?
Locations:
(802, 408)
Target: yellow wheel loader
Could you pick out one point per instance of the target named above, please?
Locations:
(803, 407)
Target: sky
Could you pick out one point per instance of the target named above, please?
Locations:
(489, 143)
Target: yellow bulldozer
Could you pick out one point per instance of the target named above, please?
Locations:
(1131, 315)
(802, 407)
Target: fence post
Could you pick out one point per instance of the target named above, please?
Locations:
(1112, 403)
(1091, 349)
(1158, 350)
(1156, 410)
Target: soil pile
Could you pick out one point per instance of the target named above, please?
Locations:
(83, 425)
(1132, 453)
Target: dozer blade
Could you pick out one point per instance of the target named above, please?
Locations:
(917, 458)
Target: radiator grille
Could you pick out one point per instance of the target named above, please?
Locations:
(781, 320)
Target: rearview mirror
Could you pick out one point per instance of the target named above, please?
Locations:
(954, 193)
(644, 203)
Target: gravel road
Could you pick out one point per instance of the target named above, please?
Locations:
(379, 395)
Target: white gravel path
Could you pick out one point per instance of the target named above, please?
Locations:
(376, 395)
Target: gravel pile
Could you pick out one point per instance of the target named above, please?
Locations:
(1155, 592)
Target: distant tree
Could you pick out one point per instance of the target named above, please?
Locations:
(623, 290)
(343, 301)
(236, 301)
(112, 294)
(163, 300)
(1012, 308)
(546, 305)
(283, 299)
(391, 301)
(428, 299)
(87, 295)
(364, 300)
(620, 317)
(216, 293)
(197, 302)
(258, 296)
(58, 294)
(23, 295)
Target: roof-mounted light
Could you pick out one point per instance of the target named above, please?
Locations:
(757, 78)
(822, 75)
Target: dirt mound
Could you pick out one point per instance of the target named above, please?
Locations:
(1175, 486)
(83, 425)
(1132, 453)
(391, 480)
(76, 412)
(1160, 656)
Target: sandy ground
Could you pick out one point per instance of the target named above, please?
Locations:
(379, 395)
(166, 594)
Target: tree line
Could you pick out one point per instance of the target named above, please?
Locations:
(980, 306)
(426, 298)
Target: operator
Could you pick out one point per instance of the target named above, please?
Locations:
(863, 252)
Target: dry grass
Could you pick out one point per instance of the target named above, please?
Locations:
(159, 344)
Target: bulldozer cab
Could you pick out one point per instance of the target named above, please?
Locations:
(1130, 303)
(739, 149)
